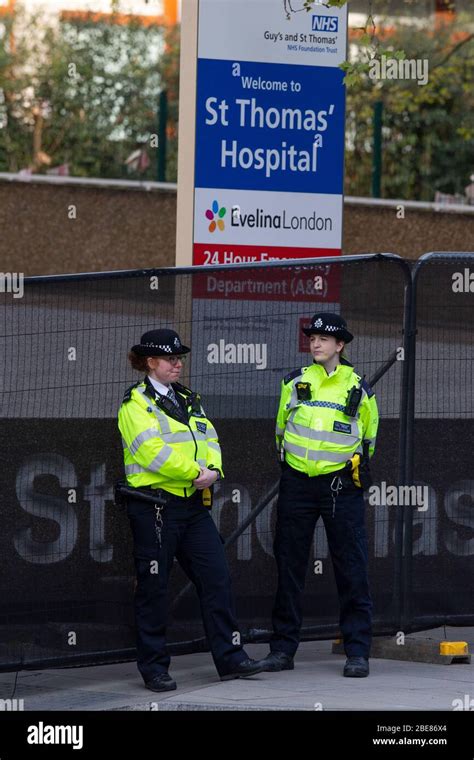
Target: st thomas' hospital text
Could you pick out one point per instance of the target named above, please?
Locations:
(284, 158)
(260, 117)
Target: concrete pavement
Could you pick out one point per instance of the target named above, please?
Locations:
(316, 683)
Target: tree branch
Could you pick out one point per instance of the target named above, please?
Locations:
(453, 51)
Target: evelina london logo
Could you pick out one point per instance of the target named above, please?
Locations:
(216, 217)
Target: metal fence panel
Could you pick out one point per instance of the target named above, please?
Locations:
(439, 562)
(67, 585)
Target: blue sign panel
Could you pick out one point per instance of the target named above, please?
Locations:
(268, 126)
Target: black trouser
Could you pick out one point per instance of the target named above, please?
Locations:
(190, 535)
(301, 501)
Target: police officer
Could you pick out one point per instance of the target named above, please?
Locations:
(326, 427)
(171, 450)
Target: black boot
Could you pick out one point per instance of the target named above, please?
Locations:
(243, 670)
(356, 667)
(163, 682)
(277, 661)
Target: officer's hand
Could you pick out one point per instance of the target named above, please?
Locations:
(205, 479)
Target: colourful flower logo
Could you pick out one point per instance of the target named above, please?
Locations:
(214, 212)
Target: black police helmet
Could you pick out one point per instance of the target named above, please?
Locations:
(329, 323)
(160, 343)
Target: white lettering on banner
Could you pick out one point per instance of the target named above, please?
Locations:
(325, 23)
(297, 286)
(257, 83)
(53, 508)
(254, 116)
(214, 117)
(229, 257)
(96, 493)
(426, 525)
(287, 157)
(459, 508)
(60, 512)
(240, 353)
(272, 159)
(285, 118)
(251, 287)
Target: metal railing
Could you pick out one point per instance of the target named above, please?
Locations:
(123, 288)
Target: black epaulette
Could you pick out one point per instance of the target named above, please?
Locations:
(128, 393)
(292, 375)
(367, 389)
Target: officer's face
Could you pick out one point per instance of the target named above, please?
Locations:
(324, 348)
(163, 370)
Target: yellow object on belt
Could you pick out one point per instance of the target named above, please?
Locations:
(355, 463)
(207, 497)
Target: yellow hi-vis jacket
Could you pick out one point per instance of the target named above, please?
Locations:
(315, 433)
(164, 447)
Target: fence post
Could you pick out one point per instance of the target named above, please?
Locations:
(377, 150)
(405, 521)
(162, 122)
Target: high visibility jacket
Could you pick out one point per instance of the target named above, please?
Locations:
(164, 447)
(316, 435)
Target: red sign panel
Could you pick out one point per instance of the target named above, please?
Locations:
(312, 283)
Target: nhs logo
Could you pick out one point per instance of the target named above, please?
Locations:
(325, 23)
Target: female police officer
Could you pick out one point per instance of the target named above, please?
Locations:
(171, 449)
(326, 420)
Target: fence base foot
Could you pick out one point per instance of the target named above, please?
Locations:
(416, 650)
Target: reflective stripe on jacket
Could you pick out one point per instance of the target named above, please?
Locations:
(316, 434)
(164, 449)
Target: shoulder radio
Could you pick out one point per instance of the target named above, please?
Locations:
(354, 397)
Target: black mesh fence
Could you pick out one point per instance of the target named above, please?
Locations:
(68, 578)
(439, 567)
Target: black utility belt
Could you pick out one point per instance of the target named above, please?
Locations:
(151, 495)
(157, 496)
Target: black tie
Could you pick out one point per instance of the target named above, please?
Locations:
(172, 397)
